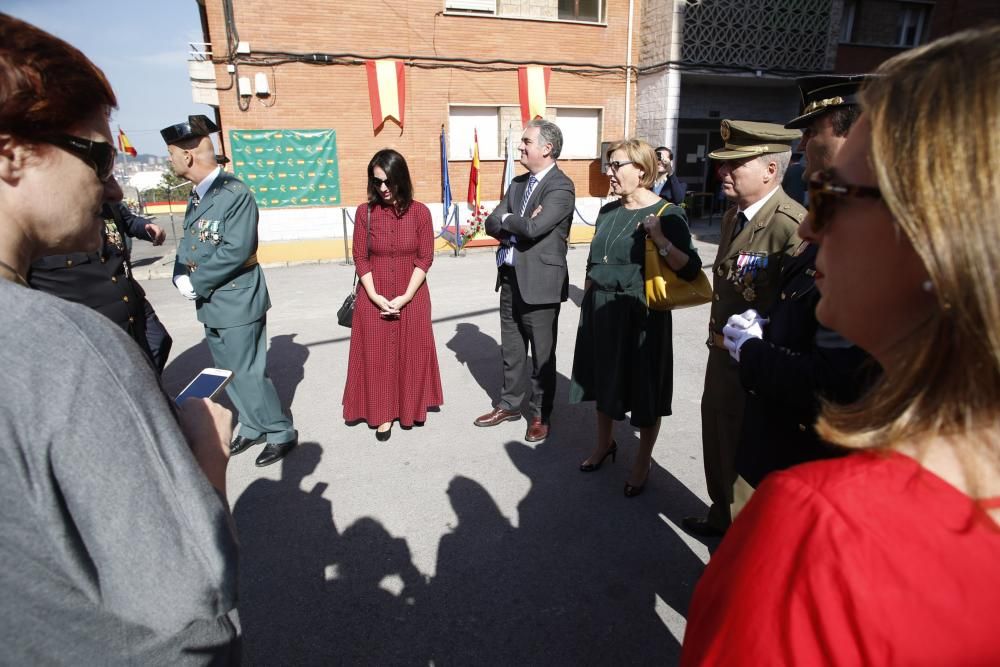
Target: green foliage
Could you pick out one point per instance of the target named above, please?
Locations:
(171, 181)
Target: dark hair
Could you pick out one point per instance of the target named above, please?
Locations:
(669, 152)
(394, 166)
(843, 118)
(46, 85)
(550, 134)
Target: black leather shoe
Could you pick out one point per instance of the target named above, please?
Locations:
(241, 444)
(382, 436)
(701, 527)
(275, 452)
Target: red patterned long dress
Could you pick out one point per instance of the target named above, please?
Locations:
(392, 372)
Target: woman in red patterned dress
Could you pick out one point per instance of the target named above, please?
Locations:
(392, 372)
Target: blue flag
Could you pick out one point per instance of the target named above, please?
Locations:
(508, 165)
(445, 182)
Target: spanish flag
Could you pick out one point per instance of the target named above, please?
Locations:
(474, 173)
(532, 87)
(124, 145)
(386, 91)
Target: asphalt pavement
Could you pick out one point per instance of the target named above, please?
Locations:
(451, 544)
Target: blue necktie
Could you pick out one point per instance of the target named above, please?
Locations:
(505, 255)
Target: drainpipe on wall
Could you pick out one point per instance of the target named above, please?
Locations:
(628, 67)
(674, 77)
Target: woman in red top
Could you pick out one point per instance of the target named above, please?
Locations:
(392, 372)
(891, 555)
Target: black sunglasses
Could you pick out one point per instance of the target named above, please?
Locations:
(615, 165)
(824, 193)
(379, 182)
(98, 154)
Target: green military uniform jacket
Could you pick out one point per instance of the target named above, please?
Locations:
(218, 251)
(747, 267)
(745, 275)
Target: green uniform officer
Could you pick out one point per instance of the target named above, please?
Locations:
(757, 234)
(217, 268)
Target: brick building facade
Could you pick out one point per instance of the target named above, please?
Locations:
(460, 67)
(664, 70)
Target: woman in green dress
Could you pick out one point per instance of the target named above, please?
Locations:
(623, 358)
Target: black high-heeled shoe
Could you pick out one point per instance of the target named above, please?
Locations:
(633, 491)
(612, 452)
(382, 436)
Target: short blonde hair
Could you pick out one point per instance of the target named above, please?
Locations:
(642, 156)
(935, 146)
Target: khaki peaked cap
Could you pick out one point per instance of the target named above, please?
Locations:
(745, 138)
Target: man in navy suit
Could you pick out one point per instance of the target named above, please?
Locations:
(532, 224)
(667, 185)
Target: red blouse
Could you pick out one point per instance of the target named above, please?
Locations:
(865, 560)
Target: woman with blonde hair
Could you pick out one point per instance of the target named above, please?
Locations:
(624, 352)
(890, 555)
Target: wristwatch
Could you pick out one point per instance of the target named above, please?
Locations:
(665, 251)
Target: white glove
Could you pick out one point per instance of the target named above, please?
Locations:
(184, 286)
(736, 334)
(743, 320)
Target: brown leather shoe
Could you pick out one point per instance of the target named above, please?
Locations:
(537, 431)
(497, 416)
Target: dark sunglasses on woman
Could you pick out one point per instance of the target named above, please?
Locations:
(98, 154)
(824, 192)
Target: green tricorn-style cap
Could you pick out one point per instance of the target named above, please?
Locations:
(745, 138)
(825, 92)
(196, 126)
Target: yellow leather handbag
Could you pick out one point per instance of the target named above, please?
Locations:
(664, 290)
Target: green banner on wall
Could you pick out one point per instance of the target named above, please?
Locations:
(288, 167)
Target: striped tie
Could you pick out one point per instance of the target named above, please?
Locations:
(505, 255)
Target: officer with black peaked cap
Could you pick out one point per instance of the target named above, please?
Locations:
(792, 363)
(217, 268)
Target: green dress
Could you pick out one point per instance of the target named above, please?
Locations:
(623, 358)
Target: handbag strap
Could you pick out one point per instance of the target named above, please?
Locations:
(663, 208)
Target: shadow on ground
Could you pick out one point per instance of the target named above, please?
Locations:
(584, 576)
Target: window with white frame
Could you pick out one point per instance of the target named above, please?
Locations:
(911, 28)
(847, 21)
(464, 122)
(581, 130)
(581, 10)
(486, 6)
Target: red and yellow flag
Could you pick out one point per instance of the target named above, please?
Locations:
(474, 173)
(532, 87)
(124, 145)
(386, 90)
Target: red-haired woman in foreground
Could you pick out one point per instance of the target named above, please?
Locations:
(117, 546)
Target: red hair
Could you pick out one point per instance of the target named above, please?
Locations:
(46, 85)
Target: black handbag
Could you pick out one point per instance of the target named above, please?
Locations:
(345, 314)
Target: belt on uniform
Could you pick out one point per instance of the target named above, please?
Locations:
(251, 261)
(716, 340)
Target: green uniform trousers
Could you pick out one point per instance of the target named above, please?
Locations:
(722, 406)
(243, 350)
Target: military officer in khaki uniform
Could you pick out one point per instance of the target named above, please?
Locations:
(758, 232)
(217, 268)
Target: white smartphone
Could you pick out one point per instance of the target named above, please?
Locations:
(207, 384)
